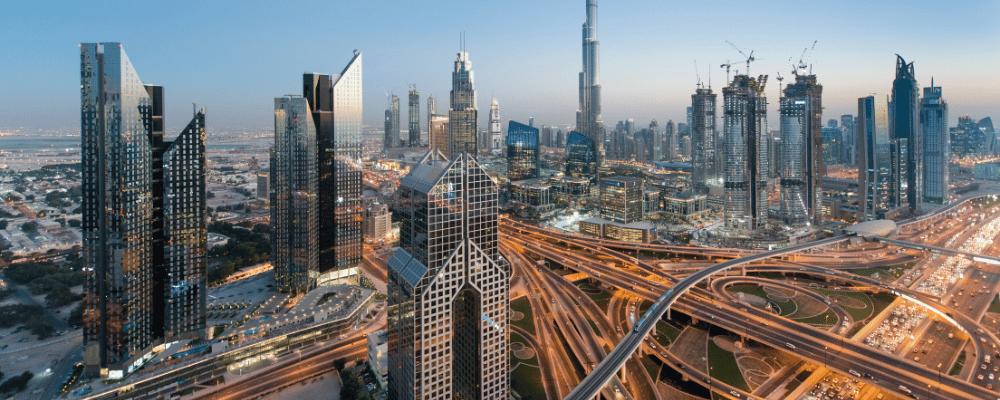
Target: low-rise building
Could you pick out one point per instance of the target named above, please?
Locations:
(531, 195)
(378, 356)
(638, 232)
(686, 205)
(377, 222)
(987, 171)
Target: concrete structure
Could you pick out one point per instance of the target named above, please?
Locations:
(448, 286)
(532, 195)
(414, 117)
(378, 356)
(496, 136)
(987, 171)
(438, 133)
(392, 139)
(581, 156)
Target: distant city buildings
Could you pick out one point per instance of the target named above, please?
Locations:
(143, 223)
(849, 130)
(972, 138)
(522, 151)
(746, 154)
(294, 197)
(669, 145)
(801, 160)
(704, 165)
(448, 286)
(937, 145)
(463, 115)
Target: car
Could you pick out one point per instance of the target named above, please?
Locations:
(790, 346)
(980, 377)
(991, 377)
(734, 393)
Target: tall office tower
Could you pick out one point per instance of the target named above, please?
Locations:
(336, 105)
(414, 117)
(560, 139)
(531, 122)
(588, 117)
(432, 109)
(833, 145)
(522, 152)
(448, 286)
(545, 136)
(392, 138)
(745, 175)
(703, 169)
(294, 197)
(463, 114)
(989, 133)
(876, 192)
(496, 134)
(439, 133)
(849, 130)
(684, 140)
(581, 156)
(621, 199)
(143, 228)
(669, 141)
(904, 115)
(655, 151)
(801, 162)
(937, 145)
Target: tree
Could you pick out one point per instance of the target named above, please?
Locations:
(3, 224)
(29, 226)
(339, 364)
(16, 383)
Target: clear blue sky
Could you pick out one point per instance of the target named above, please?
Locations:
(235, 58)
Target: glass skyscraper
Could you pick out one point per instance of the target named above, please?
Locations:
(463, 115)
(336, 104)
(588, 117)
(801, 161)
(143, 222)
(448, 286)
(704, 172)
(294, 197)
(581, 156)
(392, 138)
(414, 116)
(904, 118)
(937, 145)
(746, 157)
(875, 168)
(522, 152)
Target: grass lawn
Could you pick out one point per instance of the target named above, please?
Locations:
(514, 337)
(880, 301)
(827, 318)
(895, 271)
(955, 369)
(994, 306)
(859, 314)
(523, 306)
(602, 299)
(724, 367)
(787, 307)
(666, 334)
(527, 382)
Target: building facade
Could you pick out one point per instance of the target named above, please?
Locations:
(937, 145)
(143, 216)
(392, 138)
(432, 109)
(876, 183)
(438, 134)
(801, 162)
(496, 135)
(621, 199)
(588, 117)
(294, 197)
(378, 223)
(746, 156)
(581, 156)
(337, 106)
(704, 172)
(448, 286)
(463, 115)
(522, 151)
(904, 121)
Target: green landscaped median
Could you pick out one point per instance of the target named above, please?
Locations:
(523, 306)
(724, 367)
(787, 307)
(826, 318)
(859, 314)
(515, 338)
(527, 382)
(666, 334)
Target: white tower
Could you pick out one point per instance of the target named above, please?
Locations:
(496, 141)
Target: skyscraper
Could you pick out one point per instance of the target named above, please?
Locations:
(669, 145)
(581, 156)
(904, 116)
(849, 130)
(336, 105)
(439, 134)
(294, 197)
(937, 145)
(448, 286)
(745, 176)
(496, 135)
(414, 116)
(588, 117)
(801, 165)
(655, 151)
(463, 115)
(876, 190)
(143, 224)
(522, 151)
(703, 150)
(392, 138)
(432, 109)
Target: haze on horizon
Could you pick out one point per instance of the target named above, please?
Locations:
(235, 59)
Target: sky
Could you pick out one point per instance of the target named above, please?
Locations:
(234, 58)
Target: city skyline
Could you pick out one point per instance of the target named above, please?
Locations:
(241, 96)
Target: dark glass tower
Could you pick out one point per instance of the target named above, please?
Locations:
(703, 150)
(336, 106)
(904, 118)
(143, 227)
(522, 152)
(581, 156)
(463, 115)
(294, 205)
(392, 138)
(801, 161)
(414, 117)
(876, 191)
(448, 286)
(746, 156)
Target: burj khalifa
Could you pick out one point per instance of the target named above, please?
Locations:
(588, 117)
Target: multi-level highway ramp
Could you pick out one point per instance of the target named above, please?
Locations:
(602, 374)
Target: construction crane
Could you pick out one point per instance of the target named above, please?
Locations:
(781, 78)
(729, 65)
(696, 75)
(749, 59)
(804, 58)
